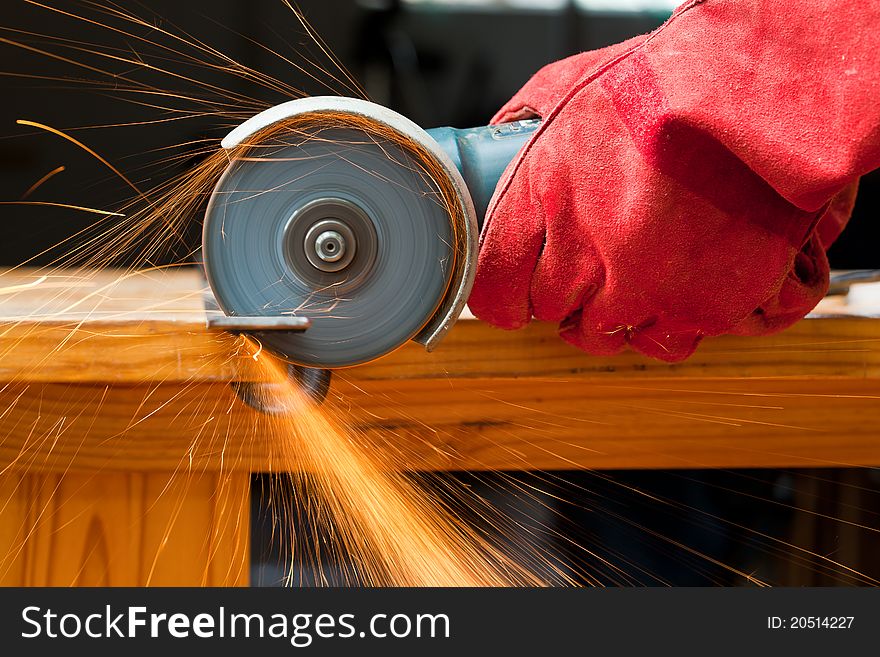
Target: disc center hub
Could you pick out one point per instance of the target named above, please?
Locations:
(330, 245)
(330, 241)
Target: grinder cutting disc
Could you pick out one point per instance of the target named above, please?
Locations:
(331, 222)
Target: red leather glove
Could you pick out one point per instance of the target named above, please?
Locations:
(688, 182)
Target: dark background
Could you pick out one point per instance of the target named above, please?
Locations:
(438, 63)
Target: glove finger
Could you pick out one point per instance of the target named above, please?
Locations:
(569, 271)
(585, 334)
(512, 240)
(837, 215)
(802, 289)
(664, 343)
(648, 337)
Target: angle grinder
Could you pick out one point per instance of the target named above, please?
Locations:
(341, 230)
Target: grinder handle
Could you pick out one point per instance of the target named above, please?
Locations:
(482, 154)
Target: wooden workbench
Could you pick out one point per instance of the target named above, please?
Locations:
(125, 455)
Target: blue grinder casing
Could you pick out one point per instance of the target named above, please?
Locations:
(482, 154)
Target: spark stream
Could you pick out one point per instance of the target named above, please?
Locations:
(300, 629)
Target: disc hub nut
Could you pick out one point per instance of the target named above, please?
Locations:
(330, 245)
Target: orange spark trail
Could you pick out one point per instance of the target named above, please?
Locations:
(42, 181)
(80, 208)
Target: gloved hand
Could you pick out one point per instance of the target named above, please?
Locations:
(688, 182)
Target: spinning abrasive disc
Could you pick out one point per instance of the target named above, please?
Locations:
(335, 224)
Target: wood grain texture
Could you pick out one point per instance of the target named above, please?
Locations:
(110, 327)
(123, 529)
(140, 328)
(481, 424)
(150, 394)
(66, 520)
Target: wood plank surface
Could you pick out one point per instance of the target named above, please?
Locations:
(150, 328)
(120, 374)
(108, 327)
(481, 424)
(123, 529)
